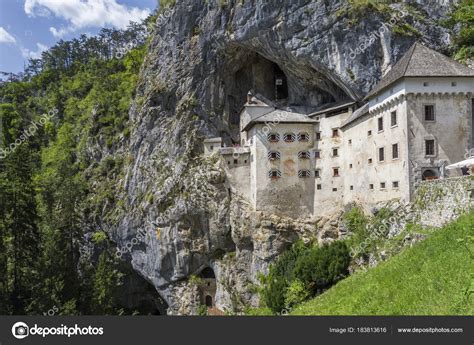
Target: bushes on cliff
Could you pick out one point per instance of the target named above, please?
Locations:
(321, 267)
(302, 272)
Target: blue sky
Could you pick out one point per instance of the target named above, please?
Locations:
(28, 27)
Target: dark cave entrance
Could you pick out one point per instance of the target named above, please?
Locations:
(258, 74)
(293, 83)
(281, 84)
(138, 296)
(207, 273)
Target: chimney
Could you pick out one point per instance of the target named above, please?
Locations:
(249, 97)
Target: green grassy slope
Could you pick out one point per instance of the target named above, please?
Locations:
(431, 278)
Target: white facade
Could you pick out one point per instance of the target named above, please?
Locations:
(447, 128)
(312, 165)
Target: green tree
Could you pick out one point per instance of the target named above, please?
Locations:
(107, 280)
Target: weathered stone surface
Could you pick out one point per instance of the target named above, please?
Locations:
(197, 72)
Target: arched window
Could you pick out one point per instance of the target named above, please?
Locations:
(273, 137)
(304, 155)
(303, 137)
(289, 137)
(304, 173)
(429, 174)
(273, 155)
(274, 174)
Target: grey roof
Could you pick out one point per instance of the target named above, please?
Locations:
(213, 140)
(332, 107)
(279, 116)
(231, 150)
(258, 100)
(421, 61)
(356, 115)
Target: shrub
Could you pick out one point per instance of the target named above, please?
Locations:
(279, 276)
(202, 310)
(301, 271)
(323, 266)
(296, 293)
(274, 292)
(99, 237)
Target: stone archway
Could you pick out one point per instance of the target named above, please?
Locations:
(208, 286)
(209, 302)
(429, 174)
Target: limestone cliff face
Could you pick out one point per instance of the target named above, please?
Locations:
(203, 58)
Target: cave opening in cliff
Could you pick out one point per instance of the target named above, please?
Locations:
(141, 296)
(288, 83)
(208, 273)
(259, 74)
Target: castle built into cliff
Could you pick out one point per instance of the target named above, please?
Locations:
(418, 119)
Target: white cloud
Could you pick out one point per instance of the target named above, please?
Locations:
(59, 32)
(5, 37)
(80, 14)
(31, 54)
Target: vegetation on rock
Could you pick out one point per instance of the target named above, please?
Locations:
(434, 277)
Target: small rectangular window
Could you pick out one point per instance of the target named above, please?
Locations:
(393, 119)
(371, 186)
(381, 154)
(350, 166)
(317, 154)
(382, 185)
(350, 141)
(318, 187)
(334, 189)
(395, 184)
(369, 133)
(380, 124)
(370, 160)
(429, 112)
(335, 152)
(335, 133)
(335, 172)
(317, 173)
(236, 161)
(304, 173)
(318, 136)
(454, 84)
(394, 151)
(352, 187)
(430, 147)
(425, 84)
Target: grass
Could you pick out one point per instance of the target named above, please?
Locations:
(433, 277)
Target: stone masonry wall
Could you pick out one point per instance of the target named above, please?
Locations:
(438, 202)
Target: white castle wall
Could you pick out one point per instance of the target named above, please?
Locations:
(364, 147)
(298, 197)
(329, 199)
(289, 195)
